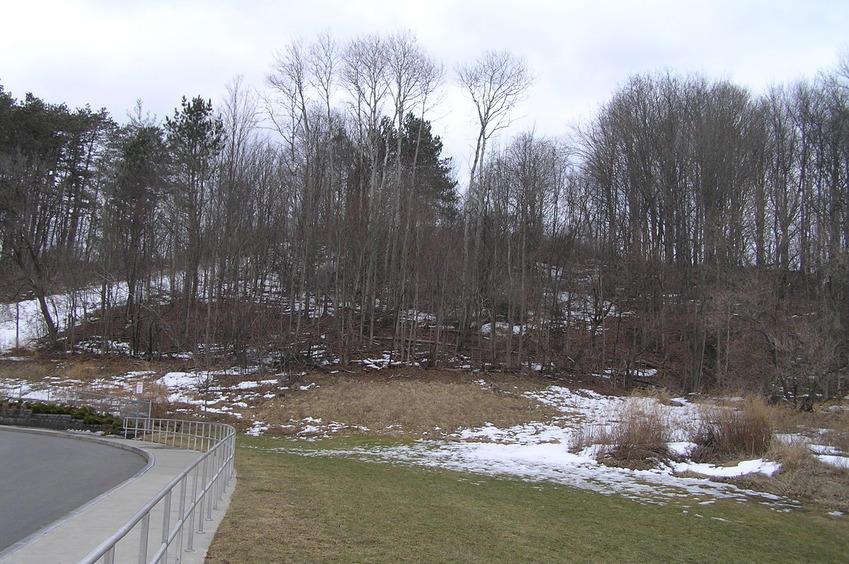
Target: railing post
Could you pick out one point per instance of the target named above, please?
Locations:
(219, 474)
(201, 498)
(210, 488)
(143, 538)
(182, 512)
(191, 547)
(166, 517)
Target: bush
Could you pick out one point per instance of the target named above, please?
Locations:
(791, 455)
(636, 439)
(726, 433)
(85, 414)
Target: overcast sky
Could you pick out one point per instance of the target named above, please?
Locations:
(110, 53)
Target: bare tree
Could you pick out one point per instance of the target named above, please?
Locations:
(365, 77)
(495, 82)
(412, 80)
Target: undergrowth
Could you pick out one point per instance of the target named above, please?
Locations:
(727, 433)
(81, 413)
(637, 437)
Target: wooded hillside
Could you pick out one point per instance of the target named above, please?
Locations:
(690, 227)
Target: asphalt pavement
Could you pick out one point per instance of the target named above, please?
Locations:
(91, 513)
(43, 477)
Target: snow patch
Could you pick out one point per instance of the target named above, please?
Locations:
(541, 452)
(740, 469)
(257, 428)
(834, 460)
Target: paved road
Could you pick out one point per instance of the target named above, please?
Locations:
(45, 477)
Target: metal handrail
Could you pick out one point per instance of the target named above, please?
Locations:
(118, 406)
(199, 488)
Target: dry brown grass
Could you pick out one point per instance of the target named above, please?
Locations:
(727, 433)
(408, 402)
(791, 455)
(637, 438)
(808, 479)
(821, 416)
(29, 370)
(837, 438)
(659, 394)
(825, 424)
(83, 370)
(747, 430)
(802, 477)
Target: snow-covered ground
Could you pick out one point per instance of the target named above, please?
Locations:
(22, 323)
(540, 452)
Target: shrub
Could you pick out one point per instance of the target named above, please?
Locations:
(791, 455)
(636, 439)
(725, 433)
(84, 413)
(838, 438)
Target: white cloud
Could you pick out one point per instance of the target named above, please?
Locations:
(108, 53)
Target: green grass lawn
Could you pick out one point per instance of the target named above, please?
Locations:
(291, 508)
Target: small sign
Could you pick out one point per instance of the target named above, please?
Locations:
(139, 387)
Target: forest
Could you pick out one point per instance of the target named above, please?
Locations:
(690, 235)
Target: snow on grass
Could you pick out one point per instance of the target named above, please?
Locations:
(551, 462)
(182, 387)
(379, 363)
(537, 451)
(830, 455)
(201, 389)
(541, 452)
(312, 427)
(22, 390)
(534, 451)
(257, 428)
(681, 449)
(740, 469)
(824, 453)
(249, 384)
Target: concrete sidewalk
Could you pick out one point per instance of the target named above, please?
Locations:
(73, 537)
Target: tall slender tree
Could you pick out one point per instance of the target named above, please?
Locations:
(195, 136)
(495, 82)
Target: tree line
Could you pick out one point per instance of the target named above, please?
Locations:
(690, 227)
